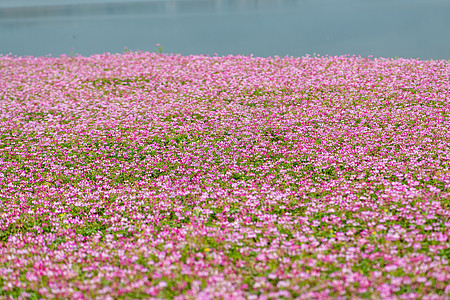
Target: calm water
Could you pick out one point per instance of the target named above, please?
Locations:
(386, 28)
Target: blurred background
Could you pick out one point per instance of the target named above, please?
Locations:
(382, 28)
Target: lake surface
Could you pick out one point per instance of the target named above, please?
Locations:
(382, 28)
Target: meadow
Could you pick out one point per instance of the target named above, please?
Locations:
(154, 176)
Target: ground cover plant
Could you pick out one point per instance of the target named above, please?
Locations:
(143, 175)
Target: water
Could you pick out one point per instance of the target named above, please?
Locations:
(382, 28)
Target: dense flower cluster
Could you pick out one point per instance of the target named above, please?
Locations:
(142, 175)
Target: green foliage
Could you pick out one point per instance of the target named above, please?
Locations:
(58, 241)
(445, 253)
(120, 81)
(364, 266)
(15, 293)
(25, 224)
(159, 49)
(445, 203)
(91, 228)
(271, 135)
(234, 253)
(238, 176)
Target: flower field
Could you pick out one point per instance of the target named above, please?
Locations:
(145, 175)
